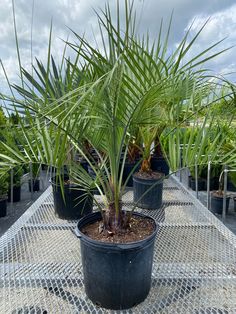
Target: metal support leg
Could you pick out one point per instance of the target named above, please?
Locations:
(41, 177)
(225, 191)
(31, 180)
(180, 166)
(11, 187)
(196, 177)
(208, 183)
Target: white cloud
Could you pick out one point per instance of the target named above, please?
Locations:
(79, 16)
(221, 25)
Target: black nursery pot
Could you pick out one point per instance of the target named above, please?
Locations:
(189, 181)
(128, 168)
(76, 204)
(151, 199)
(16, 194)
(214, 183)
(116, 276)
(44, 167)
(230, 186)
(3, 207)
(93, 176)
(201, 184)
(234, 199)
(217, 204)
(84, 164)
(159, 164)
(36, 185)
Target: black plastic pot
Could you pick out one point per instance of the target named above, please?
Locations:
(84, 164)
(44, 167)
(214, 183)
(230, 186)
(189, 181)
(145, 196)
(93, 176)
(128, 168)
(217, 204)
(201, 184)
(234, 199)
(16, 194)
(36, 185)
(76, 204)
(91, 172)
(159, 164)
(3, 207)
(116, 276)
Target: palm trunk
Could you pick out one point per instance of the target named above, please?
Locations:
(146, 165)
(114, 219)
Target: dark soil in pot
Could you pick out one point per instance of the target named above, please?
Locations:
(36, 185)
(148, 190)
(217, 203)
(160, 164)
(16, 194)
(76, 204)
(116, 275)
(3, 207)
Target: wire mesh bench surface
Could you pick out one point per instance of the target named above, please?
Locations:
(194, 268)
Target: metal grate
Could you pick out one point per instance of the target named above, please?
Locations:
(194, 268)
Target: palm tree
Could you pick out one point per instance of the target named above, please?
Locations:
(102, 97)
(97, 102)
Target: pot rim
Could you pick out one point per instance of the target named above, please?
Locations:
(161, 179)
(114, 245)
(219, 196)
(70, 185)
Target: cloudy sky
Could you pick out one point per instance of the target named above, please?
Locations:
(79, 16)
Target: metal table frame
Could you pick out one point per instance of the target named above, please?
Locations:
(194, 268)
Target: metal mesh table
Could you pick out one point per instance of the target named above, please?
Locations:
(194, 267)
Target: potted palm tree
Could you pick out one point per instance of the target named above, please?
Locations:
(133, 157)
(148, 184)
(8, 137)
(217, 198)
(122, 86)
(4, 177)
(71, 201)
(169, 113)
